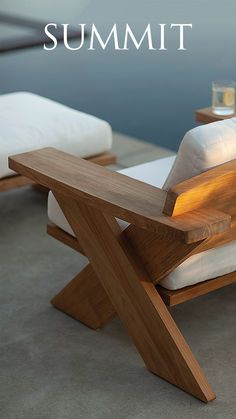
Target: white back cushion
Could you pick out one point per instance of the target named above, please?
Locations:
(203, 148)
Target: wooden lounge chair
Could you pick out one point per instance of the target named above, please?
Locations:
(127, 265)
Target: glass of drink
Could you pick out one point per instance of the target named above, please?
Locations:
(223, 97)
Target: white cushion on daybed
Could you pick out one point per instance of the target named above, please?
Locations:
(29, 121)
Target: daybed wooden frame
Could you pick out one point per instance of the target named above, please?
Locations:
(126, 267)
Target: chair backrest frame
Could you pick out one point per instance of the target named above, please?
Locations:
(215, 188)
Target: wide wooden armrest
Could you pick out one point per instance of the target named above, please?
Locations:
(114, 193)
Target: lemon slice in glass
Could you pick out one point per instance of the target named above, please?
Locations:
(229, 97)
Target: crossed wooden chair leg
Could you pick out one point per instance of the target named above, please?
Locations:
(121, 286)
(85, 300)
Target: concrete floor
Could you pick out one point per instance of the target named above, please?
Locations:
(52, 367)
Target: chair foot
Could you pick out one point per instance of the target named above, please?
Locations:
(85, 300)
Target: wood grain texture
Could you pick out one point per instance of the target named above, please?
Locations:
(206, 116)
(17, 181)
(212, 189)
(85, 300)
(135, 299)
(123, 197)
(104, 159)
(172, 298)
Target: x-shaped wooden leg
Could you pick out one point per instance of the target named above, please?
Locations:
(85, 300)
(135, 299)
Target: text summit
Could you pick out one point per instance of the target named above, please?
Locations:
(96, 41)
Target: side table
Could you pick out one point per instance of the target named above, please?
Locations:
(205, 116)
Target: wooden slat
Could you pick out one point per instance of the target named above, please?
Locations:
(214, 188)
(172, 298)
(125, 198)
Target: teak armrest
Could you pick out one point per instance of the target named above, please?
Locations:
(122, 197)
(214, 188)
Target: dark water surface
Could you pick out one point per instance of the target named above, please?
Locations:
(147, 94)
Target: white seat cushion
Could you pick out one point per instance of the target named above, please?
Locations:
(29, 121)
(198, 268)
(203, 266)
(203, 148)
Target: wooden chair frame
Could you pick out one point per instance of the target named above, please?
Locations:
(17, 181)
(125, 267)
